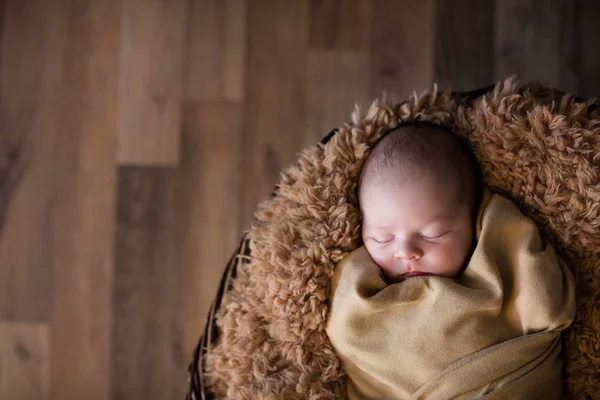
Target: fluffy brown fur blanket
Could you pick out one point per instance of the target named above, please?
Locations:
(534, 145)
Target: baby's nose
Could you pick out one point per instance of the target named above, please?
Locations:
(408, 251)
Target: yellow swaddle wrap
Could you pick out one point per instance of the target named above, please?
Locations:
(493, 332)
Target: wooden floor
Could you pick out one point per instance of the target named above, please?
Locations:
(137, 136)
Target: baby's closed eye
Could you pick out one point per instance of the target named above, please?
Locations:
(434, 235)
(382, 240)
(435, 238)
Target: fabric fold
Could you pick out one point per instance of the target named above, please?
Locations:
(493, 332)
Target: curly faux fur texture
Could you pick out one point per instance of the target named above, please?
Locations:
(534, 145)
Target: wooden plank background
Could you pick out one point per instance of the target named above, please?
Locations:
(137, 136)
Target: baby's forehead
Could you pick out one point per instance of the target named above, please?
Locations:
(426, 192)
(390, 180)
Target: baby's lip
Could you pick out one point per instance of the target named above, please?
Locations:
(403, 277)
(415, 273)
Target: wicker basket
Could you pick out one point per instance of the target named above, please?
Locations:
(196, 371)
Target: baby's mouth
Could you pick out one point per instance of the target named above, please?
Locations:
(403, 277)
(413, 274)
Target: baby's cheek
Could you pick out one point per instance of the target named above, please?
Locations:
(447, 259)
(380, 257)
(439, 262)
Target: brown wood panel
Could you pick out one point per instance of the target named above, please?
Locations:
(150, 82)
(261, 79)
(275, 97)
(335, 82)
(176, 229)
(527, 40)
(146, 281)
(402, 47)
(340, 24)
(209, 186)
(464, 44)
(83, 194)
(28, 75)
(24, 361)
(215, 51)
(579, 59)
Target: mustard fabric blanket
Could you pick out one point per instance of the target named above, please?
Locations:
(493, 332)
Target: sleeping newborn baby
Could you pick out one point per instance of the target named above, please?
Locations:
(419, 194)
(454, 294)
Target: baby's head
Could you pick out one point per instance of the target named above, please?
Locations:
(419, 194)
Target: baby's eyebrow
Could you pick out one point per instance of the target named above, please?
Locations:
(379, 227)
(440, 218)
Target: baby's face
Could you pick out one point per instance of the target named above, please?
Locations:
(417, 228)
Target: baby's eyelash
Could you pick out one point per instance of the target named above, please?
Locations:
(382, 242)
(434, 237)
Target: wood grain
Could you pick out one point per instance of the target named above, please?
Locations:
(340, 24)
(527, 40)
(177, 227)
(13, 143)
(402, 47)
(83, 194)
(579, 62)
(24, 361)
(275, 97)
(29, 76)
(208, 182)
(150, 82)
(464, 44)
(146, 280)
(329, 98)
(216, 50)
